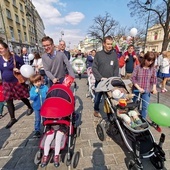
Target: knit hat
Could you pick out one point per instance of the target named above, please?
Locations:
(117, 94)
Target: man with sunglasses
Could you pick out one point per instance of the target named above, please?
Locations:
(55, 62)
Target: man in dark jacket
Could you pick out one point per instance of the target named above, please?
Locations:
(62, 46)
(105, 65)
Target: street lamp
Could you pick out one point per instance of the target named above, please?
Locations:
(148, 2)
(133, 33)
(62, 33)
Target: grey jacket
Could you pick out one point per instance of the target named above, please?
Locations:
(55, 67)
(105, 65)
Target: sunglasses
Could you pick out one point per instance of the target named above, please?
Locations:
(150, 59)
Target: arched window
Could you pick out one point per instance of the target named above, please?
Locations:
(155, 35)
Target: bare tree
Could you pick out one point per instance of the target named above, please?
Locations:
(160, 14)
(103, 26)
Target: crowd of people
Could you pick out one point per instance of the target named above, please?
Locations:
(52, 67)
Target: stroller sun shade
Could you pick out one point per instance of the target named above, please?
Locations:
(58, 103)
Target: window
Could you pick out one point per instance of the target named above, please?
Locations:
(21, 7)
(8, 13)
(155, 35)
(23, 22)
(14, 2)
(11, 32)
(19, 35)
(16, 18)
(25, 36)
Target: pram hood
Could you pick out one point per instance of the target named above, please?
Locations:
(58, 103)
(110, 83)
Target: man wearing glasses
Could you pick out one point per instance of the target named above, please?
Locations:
(55, 62)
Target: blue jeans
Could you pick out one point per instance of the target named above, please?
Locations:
(37, 123)
(145, 102)
(97, 98)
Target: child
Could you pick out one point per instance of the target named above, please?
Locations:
(37, 94)
(130, 118)
(164, 70)
(56, 133)
(1, 100)
(144, 79)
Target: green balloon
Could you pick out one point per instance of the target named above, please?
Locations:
(159, 113)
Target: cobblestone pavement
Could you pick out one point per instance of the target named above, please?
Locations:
(18, 147)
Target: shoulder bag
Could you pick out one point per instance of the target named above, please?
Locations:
(18, 75)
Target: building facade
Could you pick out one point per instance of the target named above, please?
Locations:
(21, 23)
(154, 39)
(89, 44)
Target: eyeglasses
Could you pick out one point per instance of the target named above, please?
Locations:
(46, 46)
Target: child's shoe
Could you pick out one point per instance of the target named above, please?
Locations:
(135, 126)
(138, 121)
(56, 160)
(44, 161)
(37, 134)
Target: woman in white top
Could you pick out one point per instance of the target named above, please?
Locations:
(38, 66)
(165, 70)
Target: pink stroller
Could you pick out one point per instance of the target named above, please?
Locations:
(58, 109)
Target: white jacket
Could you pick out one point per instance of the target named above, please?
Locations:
(165, 65)
(37, 64)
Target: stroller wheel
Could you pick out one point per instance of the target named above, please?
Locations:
(75, 159)
(101, 133)
(158, 163)
(133, 166)
(66, 161)
(37, 158)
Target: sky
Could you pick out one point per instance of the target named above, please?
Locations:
(74, 17)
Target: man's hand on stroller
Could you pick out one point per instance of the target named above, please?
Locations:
(103, 78)
(55, 80)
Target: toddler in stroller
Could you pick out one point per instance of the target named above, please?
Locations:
(120, 99)
(139, 141)
(57, 111)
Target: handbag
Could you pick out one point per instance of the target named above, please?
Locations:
(18, 75)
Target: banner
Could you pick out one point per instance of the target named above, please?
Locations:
(79, 65)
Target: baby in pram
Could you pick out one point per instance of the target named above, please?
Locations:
(57, 110)
(120, 99)
(56, 133)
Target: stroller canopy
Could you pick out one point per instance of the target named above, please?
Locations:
(110, 83)
(58, 103)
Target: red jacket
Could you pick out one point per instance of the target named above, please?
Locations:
(122, 61)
